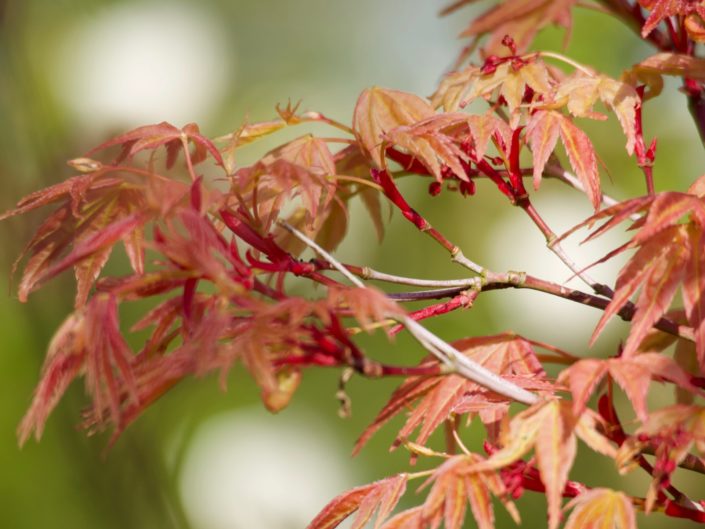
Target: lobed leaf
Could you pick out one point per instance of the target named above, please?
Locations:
(442, 396)
(457, 482)
(381, 495)
(601, 509)
(379, 110)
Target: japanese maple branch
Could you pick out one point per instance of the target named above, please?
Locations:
(516, 192)
(443, 351)
(444, 288)
(515, 280)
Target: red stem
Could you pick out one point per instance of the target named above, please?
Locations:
(465, 299)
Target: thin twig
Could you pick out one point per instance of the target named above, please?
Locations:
(626, 313)
(320, 251)
(369, 273)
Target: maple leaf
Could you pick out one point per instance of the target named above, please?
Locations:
(551, 429)
(428, 142)
(601, 508)
(458, 482)
(381, 496)
(379, 110)
(438, 142)
(662, 9)
(666, 63)
(506, 354)
(151, 137)
(192, 243)
(111, 204)
(580, 92)
(633, 374)
(522, 19)
(89, 342)
(299, 174)
(510, 78)
(542, 131)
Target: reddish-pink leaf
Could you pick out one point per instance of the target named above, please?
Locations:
(62, 365)
(694, 291)
(542, 133)
(633, 274)
(660, 10)
(506, 354)
(384, 493)
(94, 246)
(555, 452)
(582, 158)
(633, 374)
(458, 482)
(660, 284)
(582, 379)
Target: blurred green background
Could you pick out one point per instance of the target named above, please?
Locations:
(74, 72)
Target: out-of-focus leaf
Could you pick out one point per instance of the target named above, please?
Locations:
(601, 509)
(381, 495)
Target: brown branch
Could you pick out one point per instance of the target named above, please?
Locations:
(515, 280)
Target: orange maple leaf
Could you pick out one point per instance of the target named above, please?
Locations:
(601, 509)
(633, 374)
(457, 482)
(381, 496)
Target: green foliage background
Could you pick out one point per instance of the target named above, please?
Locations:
(324, 52)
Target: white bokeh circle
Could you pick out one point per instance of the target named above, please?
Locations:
(143, 62)
(248, 469)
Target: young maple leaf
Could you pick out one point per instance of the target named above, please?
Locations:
(542, 132)
(601, 509)
(580, 92)
(662, 9)
(550, 427)
(633, 374)
(173, 139)
(89, 342)
(381, 496)
(458, 482)
(109, 205)
(439, 397)
(522, 19)
(436, 141)
(666, 63)
(673, 431)
(299, 174)
(191, 242)
(428, 142)
(379, 110)
(509, 79)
